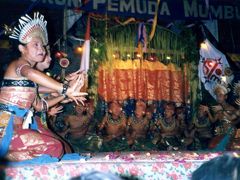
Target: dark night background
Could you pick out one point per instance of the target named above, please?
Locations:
(229, 37)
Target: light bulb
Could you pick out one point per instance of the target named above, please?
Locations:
(204, 45)
(168, 57)
(79, 49)
(96, 50)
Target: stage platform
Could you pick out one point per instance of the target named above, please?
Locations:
(144, 165)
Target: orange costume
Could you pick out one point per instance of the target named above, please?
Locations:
(18, 94)
(16, 98)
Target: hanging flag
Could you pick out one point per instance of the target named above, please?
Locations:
(86, 49)
(207, 4)
(213, 67)
(141, 39)
(72, 17)
(212, 26)
(142, 36)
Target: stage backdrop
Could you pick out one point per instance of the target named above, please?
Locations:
(146, 80)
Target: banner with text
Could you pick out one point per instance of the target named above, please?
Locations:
(168, 9)
(58, 4)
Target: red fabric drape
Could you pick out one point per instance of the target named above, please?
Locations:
(142, 80)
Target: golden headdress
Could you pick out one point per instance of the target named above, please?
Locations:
(28, 28)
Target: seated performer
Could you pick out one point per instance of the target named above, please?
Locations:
(115, 124)
(19, 91)
(138, 126)
(155, 125)
(180, 117)
(225, 128)
(189, 140)
(203, 127)
(79, 124)
(149, 112)
(168, 139)
(81, 129)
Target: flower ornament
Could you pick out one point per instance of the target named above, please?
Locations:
(64, 62)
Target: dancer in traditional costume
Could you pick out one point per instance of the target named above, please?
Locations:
(225, 129)
(19, 91)
(235, 118)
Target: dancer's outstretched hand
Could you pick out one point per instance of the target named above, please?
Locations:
(77, 96)
(73, 75)
(77, 78)
(55, 110)
(80, 99)
(73, 91)
(80, 80)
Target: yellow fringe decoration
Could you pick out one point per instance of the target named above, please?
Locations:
(154, 22)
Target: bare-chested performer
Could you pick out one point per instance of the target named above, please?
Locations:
(168, 139)
(139, 126)
(115, 125)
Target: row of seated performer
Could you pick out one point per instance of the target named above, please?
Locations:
(213, 127)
